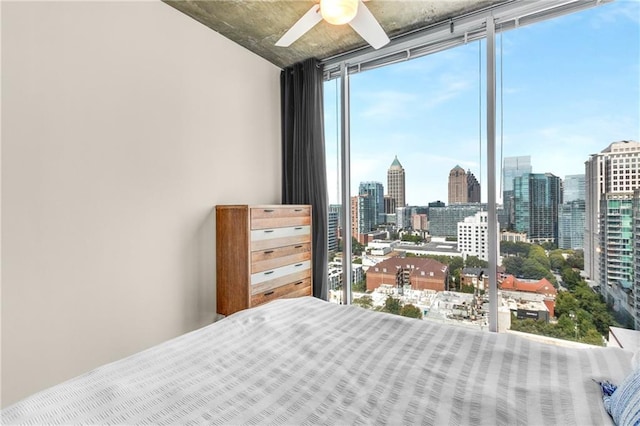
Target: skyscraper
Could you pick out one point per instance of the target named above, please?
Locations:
(375, 190)
(571, 225)
(463, 187)
(572, 213)
(512, 168)
(611, 177)
(457, 186)
(616, 255)
(473, 188)
(636, 256)
(395, 183)
(536, 197)
(443, 220)
(473, 236)
(332, 230)
(614, 170)
(573, 188)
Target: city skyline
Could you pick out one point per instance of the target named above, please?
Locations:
(560, 105)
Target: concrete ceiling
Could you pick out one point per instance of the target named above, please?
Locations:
(258, 24)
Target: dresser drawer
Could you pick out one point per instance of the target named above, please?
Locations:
(297, 289)
(280, 256)
(279, 216)
(282, 271)
(294, 278)
(263, 239)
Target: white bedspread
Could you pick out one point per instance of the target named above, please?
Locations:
(304, 361)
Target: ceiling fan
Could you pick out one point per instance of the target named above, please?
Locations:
(339, 12)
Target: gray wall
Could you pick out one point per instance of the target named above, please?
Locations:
(123, 125)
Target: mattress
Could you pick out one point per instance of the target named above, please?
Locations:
(305, 361)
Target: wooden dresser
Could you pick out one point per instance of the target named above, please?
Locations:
(263, 253)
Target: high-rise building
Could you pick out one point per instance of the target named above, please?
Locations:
(419, 222)
(396, 183)
(366, 213)
(443, 221)
(463, 187)
(616, 256)
(355, 218)
(337, 209)
(571, 213)
(571, 225)
(332, 230)
(389, 204)
(375, 191)
(573, 188)
(457, 186)
(403, 217)
(614, 170)
(473, 188)
(536, 198)
(473, 234)
(512, 167)
(636, 257)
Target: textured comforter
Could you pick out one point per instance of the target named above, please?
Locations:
(305, 361)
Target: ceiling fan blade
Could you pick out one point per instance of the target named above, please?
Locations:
(304, 24)
(368, 27)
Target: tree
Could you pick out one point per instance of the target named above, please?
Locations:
(392, 305)
(412, 238)
(411, 311)
(576, 260)
(359, 287)
(356, 247)
(532, 269)
(519, 248)
(476, 262)
(556, 259)
(566, 303)
(548, 245)
(467, 289)
(364, 302)
(538, 254)
(570, 278)
(455, 263)
(513, 265)
(592, 337)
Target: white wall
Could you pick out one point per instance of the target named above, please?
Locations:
(123, 125)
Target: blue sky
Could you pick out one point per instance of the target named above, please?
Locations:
(571, 86)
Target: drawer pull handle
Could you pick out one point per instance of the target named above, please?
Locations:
(269, 293)
(268, 210)
(299, 264)
(298, 210)
(268, 272)
(299, 282)
(268, 230)
(298, 247)
(268, 252)
(297, 228)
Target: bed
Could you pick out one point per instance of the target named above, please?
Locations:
(305, 361)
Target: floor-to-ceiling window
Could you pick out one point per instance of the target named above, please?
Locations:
(565, 89)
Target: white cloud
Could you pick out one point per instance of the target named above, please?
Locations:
(612, 14)
(387, 104)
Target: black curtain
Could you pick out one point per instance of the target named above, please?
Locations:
(304, 176)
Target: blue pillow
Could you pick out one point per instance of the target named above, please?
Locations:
(624, 403)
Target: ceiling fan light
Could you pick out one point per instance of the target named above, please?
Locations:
(338, 12)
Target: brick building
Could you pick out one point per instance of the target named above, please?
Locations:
(420, 273)
(543, 286)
